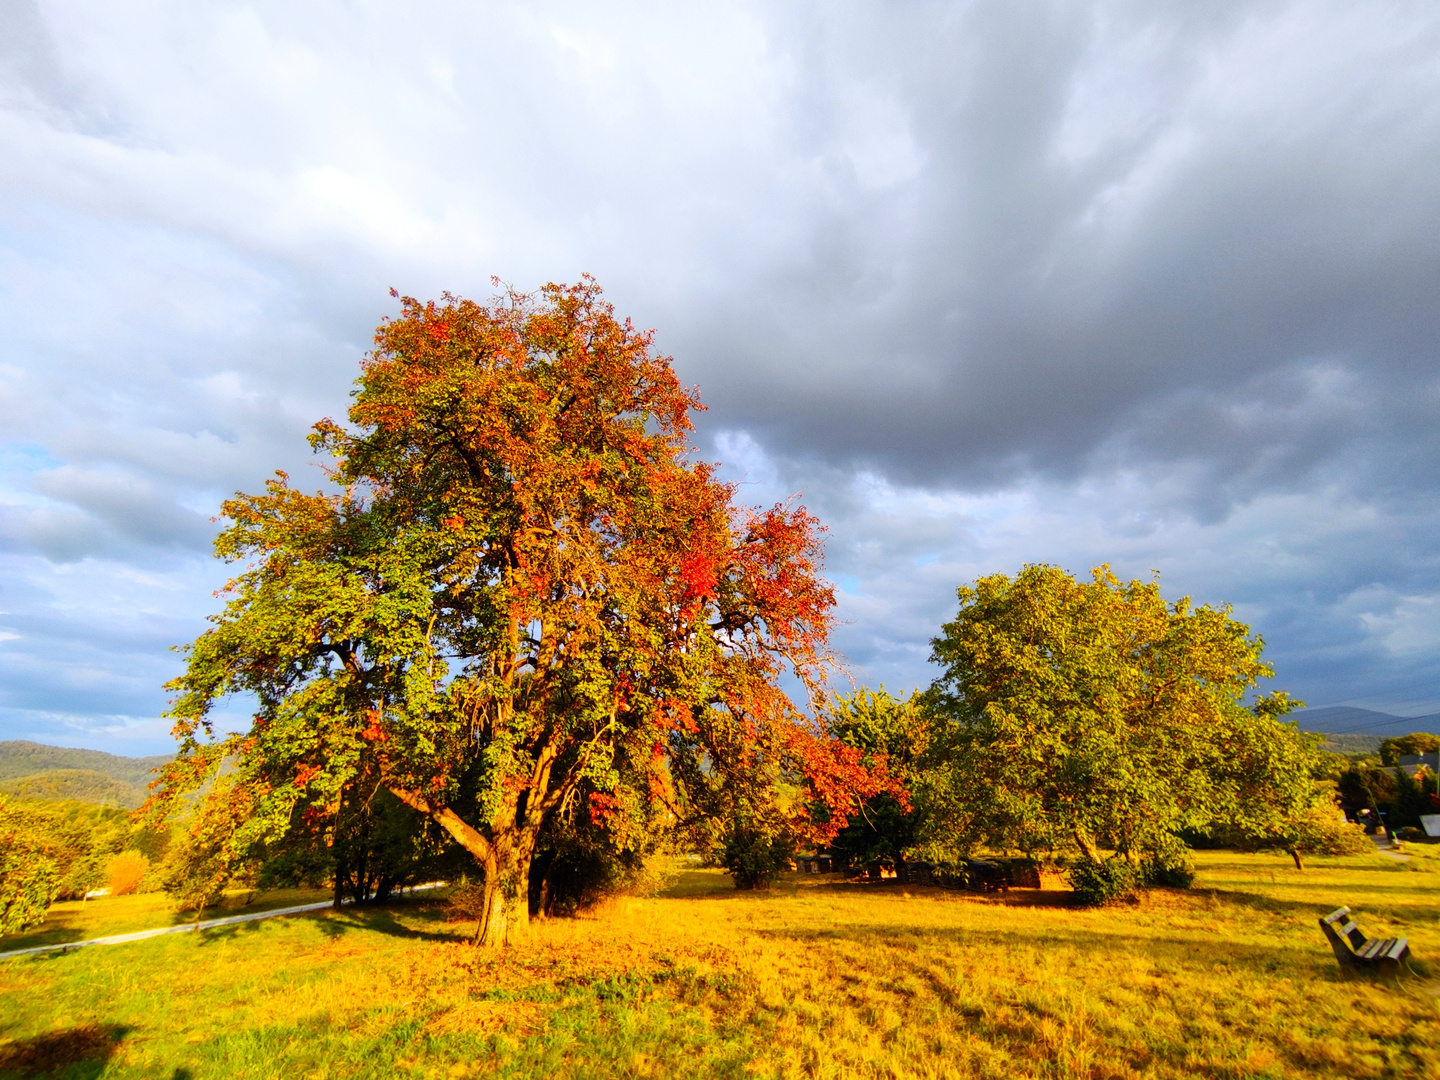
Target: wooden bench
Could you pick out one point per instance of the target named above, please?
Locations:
(1357, 952)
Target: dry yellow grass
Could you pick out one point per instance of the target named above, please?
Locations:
(815, 978)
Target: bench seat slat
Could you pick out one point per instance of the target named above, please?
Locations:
(1374, 947)
(1398, 949)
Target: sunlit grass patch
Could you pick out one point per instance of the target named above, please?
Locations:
(816, 977)
(78, 920)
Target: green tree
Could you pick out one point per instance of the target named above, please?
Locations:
(372, 845)
(522, 594)
(895, 733)
(1088, 715)
(1279, 793)
(80, 839)
(755, 855)
(1416, 743)
(207, 856)
(1412, 799)
(29, 877)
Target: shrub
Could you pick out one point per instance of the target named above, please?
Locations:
(1166, 872)
(655, 874)
(466, 903)
(753, 858)
(1168, 866)
(125, 872)
(1098, 883)
(29, 881)
(1340, 838)
(1409, 832)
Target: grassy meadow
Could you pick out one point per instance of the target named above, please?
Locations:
(816, 977)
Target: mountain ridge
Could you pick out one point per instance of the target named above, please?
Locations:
(1352, 720)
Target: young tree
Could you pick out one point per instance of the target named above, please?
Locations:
(522, 597)
(29, 878)
(1271, 790)
(1095, 715)
(894, 732)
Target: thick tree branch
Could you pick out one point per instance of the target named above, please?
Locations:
(466, 835)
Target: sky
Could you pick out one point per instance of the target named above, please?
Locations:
(1148, 284)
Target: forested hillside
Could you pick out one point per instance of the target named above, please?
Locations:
(82, 785)
(35, 771)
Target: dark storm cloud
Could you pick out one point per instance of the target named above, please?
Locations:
(1183, 264)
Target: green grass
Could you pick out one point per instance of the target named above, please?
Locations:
(813, 978)
(76, 920)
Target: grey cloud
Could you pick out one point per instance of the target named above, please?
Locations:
(30, 71)
(1145, 283)
(133, 509)
(62, 534)
(99, 512)
(1341, 580)
(1010, 311)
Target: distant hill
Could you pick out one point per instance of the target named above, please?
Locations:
(1348, 720)
(83, 785)
(35, 771)
(21, 758)
(1352, 744)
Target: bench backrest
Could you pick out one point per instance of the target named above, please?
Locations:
(1342, 933)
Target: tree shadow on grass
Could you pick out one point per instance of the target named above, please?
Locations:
(693, 887)
(1362, 901)
(57, 935)
(82, 1052)
(334, 925)
(1264, 959)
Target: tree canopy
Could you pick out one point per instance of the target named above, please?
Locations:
(1088, 715)
(1416, 744)
(522, 601)
(896, 732)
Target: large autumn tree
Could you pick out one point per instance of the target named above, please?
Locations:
(1090, 715)
(523, 598)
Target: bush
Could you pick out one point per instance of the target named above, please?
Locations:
(1340, 838)
(656, 873)
(1098, 883)
(1411, 833)
(754, 859)
(125, 873)
(29, 881)
(1167, 872)
(466, 903)
(1168, 866)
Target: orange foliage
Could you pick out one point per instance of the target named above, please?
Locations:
(126, 871)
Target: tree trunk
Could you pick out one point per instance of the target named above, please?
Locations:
(1087, 848)
(505, 912)
(1295, 854)
(504, 854)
